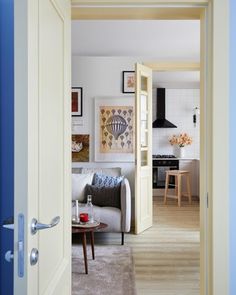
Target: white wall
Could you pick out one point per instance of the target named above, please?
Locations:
(102, 76)
(179, 111)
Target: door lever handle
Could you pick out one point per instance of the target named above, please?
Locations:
(35, 225)
(9, 256)
(9, 223)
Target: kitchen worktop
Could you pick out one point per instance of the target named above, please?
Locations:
(193, 159)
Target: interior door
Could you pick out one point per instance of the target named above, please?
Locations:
(143, 161)
(42, 148)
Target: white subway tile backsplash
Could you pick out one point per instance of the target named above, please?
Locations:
(180, 104)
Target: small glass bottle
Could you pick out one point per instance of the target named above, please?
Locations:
(89, 206)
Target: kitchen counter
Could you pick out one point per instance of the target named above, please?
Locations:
(192, 159)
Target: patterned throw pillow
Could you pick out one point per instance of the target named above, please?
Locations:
(102, 180)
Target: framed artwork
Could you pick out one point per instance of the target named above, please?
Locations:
(114, 129)
(80, 148)
(77, 101)
(128, 82)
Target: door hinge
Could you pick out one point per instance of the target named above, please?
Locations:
(207, 200)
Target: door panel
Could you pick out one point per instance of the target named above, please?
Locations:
(143, 165)
(51, 61)
(43, 135)
(144, 205)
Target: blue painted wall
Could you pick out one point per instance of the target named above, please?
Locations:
(6, 139)
(232, 147)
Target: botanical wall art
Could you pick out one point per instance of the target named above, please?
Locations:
(114, 127)
(128, 82)
(80, 148)
(77, 101)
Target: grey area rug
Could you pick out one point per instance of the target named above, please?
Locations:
(111, 273)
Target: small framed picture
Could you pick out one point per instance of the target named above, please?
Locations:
(77, 101)
(80, 147)
(128, 82)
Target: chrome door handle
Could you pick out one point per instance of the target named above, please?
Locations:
(9, 223)
(35, 225)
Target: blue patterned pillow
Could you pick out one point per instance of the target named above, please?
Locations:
(102, 180)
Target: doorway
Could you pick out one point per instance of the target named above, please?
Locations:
(143, 59)
(176, 124)
(167, 219)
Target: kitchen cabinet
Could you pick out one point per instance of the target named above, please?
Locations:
(191, 165)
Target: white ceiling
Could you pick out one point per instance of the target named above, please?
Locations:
(162, 39)
(154, 40)
(188, 79)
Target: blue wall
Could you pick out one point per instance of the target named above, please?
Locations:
(232, 147)
(6, 139)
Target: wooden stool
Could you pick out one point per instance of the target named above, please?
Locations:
(178, 174)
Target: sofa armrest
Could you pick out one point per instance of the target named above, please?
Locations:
(125, 198)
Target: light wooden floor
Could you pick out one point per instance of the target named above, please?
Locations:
(166, 256)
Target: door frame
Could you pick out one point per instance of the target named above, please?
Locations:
(214, 17)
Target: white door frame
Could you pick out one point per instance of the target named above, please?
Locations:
(214, 156)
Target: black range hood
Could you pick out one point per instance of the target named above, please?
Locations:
(161, 121)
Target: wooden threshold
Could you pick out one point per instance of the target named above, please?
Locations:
(135, 13)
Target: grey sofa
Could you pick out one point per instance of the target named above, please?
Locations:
(118, 220)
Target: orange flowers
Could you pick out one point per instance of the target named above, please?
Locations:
(181, 140)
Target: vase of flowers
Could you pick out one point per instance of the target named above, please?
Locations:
(181, 141)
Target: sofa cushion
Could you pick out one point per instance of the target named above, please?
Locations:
(102, 180)
(79, 182)
(104, 196)
(109, 215)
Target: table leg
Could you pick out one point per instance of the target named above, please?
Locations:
(179, 190)
(85, 252)
(92, 243)
(166, 187)
(189, 189)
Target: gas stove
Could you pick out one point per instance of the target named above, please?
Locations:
(163, 156)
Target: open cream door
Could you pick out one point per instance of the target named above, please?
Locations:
(143, 163)
(42, 148)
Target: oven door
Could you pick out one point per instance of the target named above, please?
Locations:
(159, 176)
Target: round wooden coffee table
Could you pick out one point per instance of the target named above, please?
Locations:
(83, 231)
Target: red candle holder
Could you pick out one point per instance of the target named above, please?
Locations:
(84, 217)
